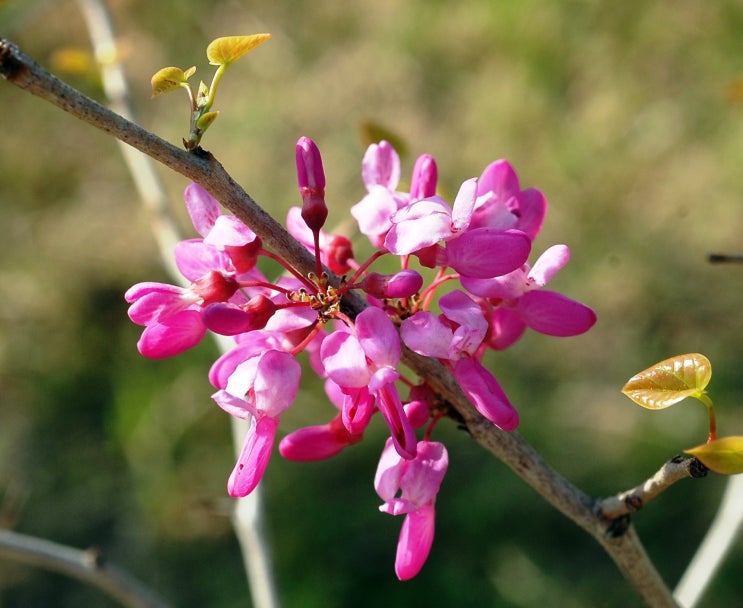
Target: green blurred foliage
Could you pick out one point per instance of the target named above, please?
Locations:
(622, 113)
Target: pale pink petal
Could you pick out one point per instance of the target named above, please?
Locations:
(276, 382)
(234, 406)
(548, 264)
(389, 471)
(414, 544)
(374, 212)
(457, 306)
(202, 207)
(194, 259)
(344, 360)
(425, 334)
(423, 476)
(505, 287)
(464, 204)
(554, 314)
(152, 302)
(228, 231)
(381, 166)
(254, 457)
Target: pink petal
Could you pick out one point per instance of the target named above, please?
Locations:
(425, 334)
(414, 544)
(484, 392)
(402, 432)
(389, 471)
(254, 457)
(172, 336)
(344, 360)
(381, 166)
(153, 302)
(554, 314)
(276, 382)
(500, 180)
(423, 476)
(317, 442)
(506, 327)
(420, 225)
(487, 252)
(532, 209)
(194, 259)
(378, 337)
(202, 207)
(228, 231)
(374, 212)
(505, 287)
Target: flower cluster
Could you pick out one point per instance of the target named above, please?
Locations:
(481, 294)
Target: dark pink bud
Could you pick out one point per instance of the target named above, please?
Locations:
(400, 285)
(425, 177)
(214, 287)
(311, 178)
(230, 320)
(244, 257)
(338, 250)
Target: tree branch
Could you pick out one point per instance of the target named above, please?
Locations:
(633, 500)
(88, 566)
(621, 542)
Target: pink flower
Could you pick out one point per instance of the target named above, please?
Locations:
(455, 338)
(519, 301)
(479, 252)
(502, 204)
(363, 363)
(409, 487)
(380, 171)
(259, 389)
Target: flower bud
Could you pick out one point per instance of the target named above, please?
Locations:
(215, 287)
(311, 178)
(338, 250)
(399, 285)
(425, 176)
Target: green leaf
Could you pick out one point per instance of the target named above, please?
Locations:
(207, 119)
(670, 381)
(224, 51)
(169, 79)
(724, 455)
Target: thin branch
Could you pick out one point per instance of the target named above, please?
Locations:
(633, 500)
(88, 566)
(621, 544)
(247, 519)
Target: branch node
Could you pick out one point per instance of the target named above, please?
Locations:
(697, 469)
(618, 527)
(633, 502)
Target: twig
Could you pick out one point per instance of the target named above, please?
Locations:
(88, 566)
(633, 500)
(247, 517)
(621, 544)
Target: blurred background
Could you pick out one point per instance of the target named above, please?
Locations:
(628, 116)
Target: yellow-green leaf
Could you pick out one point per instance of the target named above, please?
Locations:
(724, 455)
(169, 79)
(224, 51)
(670, 381)
(206, 120)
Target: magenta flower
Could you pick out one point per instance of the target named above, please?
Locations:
(409, 487)
(259, 389)
(519, 302)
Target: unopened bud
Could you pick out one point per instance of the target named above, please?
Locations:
(215, 287)
(311, 179)
(425, 177)
(400, 285)
(338, 250)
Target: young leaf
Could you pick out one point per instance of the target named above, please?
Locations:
(169, 79)
(670, 381)
(723, 455)
(205, 120)
(224, 51)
